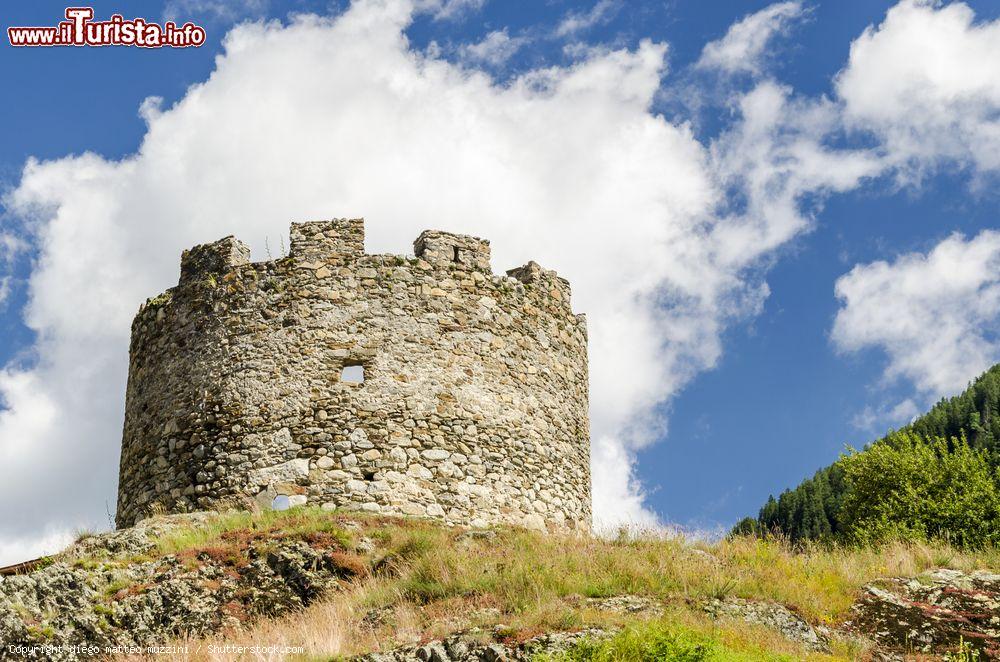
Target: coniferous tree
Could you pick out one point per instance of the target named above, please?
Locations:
(747, 526)
(768, 516)
(813, 509)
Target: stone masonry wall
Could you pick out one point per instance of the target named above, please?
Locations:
(473, 407)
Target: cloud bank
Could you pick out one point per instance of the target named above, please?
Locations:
(565, 165)
(925, 84)
(665, 238)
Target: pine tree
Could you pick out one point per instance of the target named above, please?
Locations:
(813, 509)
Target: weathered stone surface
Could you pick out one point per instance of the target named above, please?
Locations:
(931, 614)
(627, 604)
(98, 594)
(478, 646)
(286, 472)
(472, 409)
(772, 615)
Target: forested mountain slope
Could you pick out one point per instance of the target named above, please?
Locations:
(812, 510)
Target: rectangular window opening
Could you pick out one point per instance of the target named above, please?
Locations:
(353, 374)
(458, 255)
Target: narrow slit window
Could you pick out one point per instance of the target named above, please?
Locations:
(458, 255)
(280, 502)
(353, 374)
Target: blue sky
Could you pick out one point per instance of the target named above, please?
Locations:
(784, 392)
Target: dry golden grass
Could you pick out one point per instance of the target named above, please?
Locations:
(428, 580)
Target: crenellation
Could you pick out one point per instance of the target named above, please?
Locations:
(472, 402)
(457, 251)
(337, 241)
(213, 259)
(545, 281)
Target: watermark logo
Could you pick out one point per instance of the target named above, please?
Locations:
(172, 651)
(79, 29)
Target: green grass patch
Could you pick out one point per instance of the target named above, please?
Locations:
(103, 610)
(117, 585)
(659, 642)
(300, 522)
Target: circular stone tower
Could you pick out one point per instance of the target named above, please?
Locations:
(420, 385)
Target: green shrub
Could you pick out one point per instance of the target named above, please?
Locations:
(906, 488)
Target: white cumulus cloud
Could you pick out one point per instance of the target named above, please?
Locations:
(925, 85)
(776, 154)
(934, 314)
(926, 82)
(743, 48)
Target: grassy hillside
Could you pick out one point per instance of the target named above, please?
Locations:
(414, 581)
(812, 511)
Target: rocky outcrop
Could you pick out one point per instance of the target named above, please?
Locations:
(772, 615)
(196, 575)
(626, 604)
(935, 613)
(479, 646)
(109, 592)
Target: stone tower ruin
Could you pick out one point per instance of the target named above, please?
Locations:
(417, 385)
